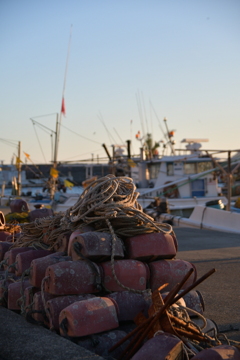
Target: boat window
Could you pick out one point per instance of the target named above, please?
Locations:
(190, 168)
(203, 166)
(170, 171)
(153, 170)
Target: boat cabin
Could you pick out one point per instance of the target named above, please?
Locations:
(170, 169)
(179, 176)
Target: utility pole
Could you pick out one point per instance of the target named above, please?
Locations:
(19, 166)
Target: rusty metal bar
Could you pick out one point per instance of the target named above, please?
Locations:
(157, 316)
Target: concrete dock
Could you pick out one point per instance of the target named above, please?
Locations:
(20, 340)
(208, 249)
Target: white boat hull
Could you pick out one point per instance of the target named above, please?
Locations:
(204, 217)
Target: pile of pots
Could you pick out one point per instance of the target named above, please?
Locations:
(85, 293)
(106, 276)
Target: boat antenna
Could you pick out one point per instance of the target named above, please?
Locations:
(140, 112)
(151, 118)
(144, 111)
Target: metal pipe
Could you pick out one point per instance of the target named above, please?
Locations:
(107, 152)
(129, 148)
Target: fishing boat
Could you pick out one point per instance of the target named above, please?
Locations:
(183, 180)
(204, 217)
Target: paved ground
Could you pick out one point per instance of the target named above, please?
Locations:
(20, 340)
(221, 291)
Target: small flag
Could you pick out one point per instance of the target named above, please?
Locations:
(138, 135)
(27, 155)
(18, 160)
(54, 173)
(131, 163)
(68, 184)
(63, 110)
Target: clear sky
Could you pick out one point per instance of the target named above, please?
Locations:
(131, 63)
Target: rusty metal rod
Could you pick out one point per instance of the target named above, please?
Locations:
(196, 283)
(190, 335)
(184, 324)
(129, 346)
(138, 328)
(157, 316)
(166, 298)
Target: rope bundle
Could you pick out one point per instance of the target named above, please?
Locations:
(115, 199)
(12, 228)
(43, 232)
(108, 205)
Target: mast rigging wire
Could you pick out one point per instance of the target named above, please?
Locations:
(121, 140)
(111, 138)
(164, 134)
(9, 142)
(39, 143)
(84, 137)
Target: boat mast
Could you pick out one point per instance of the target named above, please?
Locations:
(58, 126)
(53, 180)
(19, 168)
(63, 92)
(169, 138)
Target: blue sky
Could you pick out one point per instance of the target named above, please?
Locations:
(131, 63)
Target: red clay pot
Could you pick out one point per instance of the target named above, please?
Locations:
(15, 292)
(82, 230)
(161, 347)
(4, 290)
(23, 260)
(171, 272)
(96, 246)
(72, 278)
(10, 257)
(5, 236)
(150, 247)
(130, 304)
(28, 297)
(40, 213)
(18, 206)
(4, 247)
(57, 304)
(131, 273)
(88, 317)
(38, 267)
(37, 311)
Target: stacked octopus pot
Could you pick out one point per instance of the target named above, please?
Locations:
(90, 273)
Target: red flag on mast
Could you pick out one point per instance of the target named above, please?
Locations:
(63, 110)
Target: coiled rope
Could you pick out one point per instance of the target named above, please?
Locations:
(115, 199)
(108, 198)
